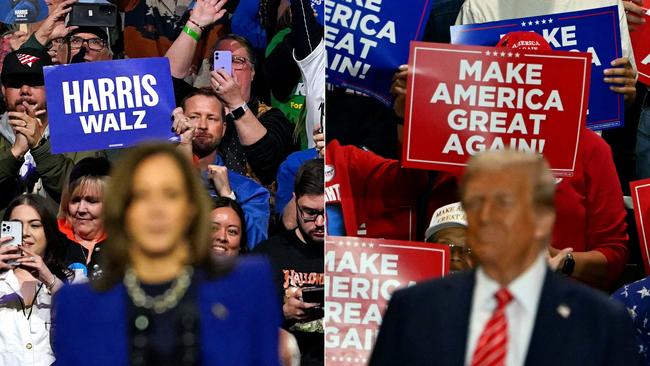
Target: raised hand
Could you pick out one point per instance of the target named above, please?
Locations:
(207, 12)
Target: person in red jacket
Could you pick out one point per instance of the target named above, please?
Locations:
(591, 217)
(367, 195)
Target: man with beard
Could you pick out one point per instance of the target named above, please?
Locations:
(200, 123)
(26, 161)
(297, 257)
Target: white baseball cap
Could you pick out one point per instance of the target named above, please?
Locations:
(451, 215)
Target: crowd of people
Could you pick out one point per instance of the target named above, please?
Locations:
(178, 248)
(592, 239)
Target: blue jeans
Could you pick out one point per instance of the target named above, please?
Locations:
(643, 141)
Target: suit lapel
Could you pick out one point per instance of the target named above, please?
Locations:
(457, 300)
(553, 315)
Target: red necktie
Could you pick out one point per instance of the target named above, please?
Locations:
(493, 342)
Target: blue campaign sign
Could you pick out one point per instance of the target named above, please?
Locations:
(595, 31)
(109, 104)
(22, 11)
(367, 40)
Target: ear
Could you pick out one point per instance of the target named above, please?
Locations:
(544, 225)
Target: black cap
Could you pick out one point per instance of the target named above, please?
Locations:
(90, 167)
(24, 67)
(99, 32)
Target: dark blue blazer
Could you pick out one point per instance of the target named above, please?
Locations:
(427, 324)
(91, 327)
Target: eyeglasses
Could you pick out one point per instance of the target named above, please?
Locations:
(456, 249)
(240, 62)
(95, 44)
(310, 215)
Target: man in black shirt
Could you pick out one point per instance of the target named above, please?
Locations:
(297, 257)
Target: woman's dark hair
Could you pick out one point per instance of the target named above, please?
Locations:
(227, 202)
(55, 250)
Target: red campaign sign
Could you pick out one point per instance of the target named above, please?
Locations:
(641, 200)
(465, 99)
(641, 45)
(360, 276)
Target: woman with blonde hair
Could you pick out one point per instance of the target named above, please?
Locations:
(163, 298)
(80, 214)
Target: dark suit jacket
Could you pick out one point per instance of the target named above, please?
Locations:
(91, 327)
(427, 324)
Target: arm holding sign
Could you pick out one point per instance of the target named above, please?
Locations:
(185, 129)
(623, 76)
(398, 89)
(52, 168)
(181, 52)
(634, 13)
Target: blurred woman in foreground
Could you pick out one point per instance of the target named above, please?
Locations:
(163, 299)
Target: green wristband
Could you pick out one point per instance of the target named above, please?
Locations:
(191, 33)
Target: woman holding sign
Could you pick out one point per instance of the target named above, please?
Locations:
(163, 298)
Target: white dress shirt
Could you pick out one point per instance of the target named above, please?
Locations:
(24, 341)
(520, 312)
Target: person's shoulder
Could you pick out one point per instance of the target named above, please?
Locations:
(297, 158)
(82, 296)
(588, 298)
(243, 182)
(271, 114)
(279, 240)
(250, 269)
(634, 293)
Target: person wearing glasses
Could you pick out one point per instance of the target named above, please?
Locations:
(449, 226)
(297, 259)
(85, 44)
(69, 44)
(258, 138)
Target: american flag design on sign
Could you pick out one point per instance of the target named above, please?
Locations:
(26, 59)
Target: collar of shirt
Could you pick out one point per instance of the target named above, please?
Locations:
(526, 290)
(9, 283)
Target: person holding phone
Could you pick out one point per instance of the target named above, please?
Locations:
(258, 137)
(297, 258)
(30, 273)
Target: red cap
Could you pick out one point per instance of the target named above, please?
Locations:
(524, 41)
